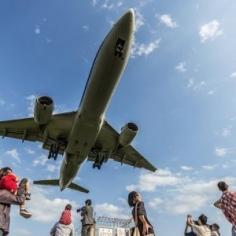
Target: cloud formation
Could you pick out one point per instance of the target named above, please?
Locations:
(14, 154)
(168, 21)
(181, 67)
(110, 210)
(210, 31)
(140, 49)
(41, 203)
(183, 194)
(221, 152)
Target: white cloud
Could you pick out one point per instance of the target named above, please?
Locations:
(139, 20)
(199, 86)
(148, 182)
(140, 49)
(185, 203)
(233, 75)
(45, 209)
(193, 195)
(221, 152)
(209, 167)
(14, 154)
(226, 132)
(110, 210)
(187, 168)
(30, 102)
(107, 5)
(168, 21)
(37, 29)
(183, 194)
(190, 83)
(30, 151)
(85, 28)
(210, 31)
(155, 203)
(181, 67)
(52, 168)
(211, 92)
(40, 161)
(60, 109)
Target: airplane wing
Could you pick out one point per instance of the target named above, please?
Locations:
(27, 129)
(108, 137)
(24, 129)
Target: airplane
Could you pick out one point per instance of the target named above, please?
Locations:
(85, 134)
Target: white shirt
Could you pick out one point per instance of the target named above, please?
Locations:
(201, 230)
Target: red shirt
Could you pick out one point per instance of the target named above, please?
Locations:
(9, 182)
(65, 217)
(228, 201)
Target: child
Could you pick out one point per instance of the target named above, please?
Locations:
(9, 181)
(64, 226)
(66, 215)
(215, 230)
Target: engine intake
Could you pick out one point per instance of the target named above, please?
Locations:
(128, 132)
(43, 110)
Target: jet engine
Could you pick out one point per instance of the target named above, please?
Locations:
(43, 110)
(128, 132)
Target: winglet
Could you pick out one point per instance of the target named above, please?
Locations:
(55, 182)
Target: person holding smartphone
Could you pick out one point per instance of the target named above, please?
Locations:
(199, 227)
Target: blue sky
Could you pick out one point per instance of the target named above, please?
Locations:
(179, 87)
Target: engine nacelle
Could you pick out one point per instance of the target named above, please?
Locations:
(128, 132)
(43, 110)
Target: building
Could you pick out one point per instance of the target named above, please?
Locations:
(107, 226)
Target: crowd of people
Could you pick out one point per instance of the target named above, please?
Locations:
(227, 204)
(14, 191)
(65, 227)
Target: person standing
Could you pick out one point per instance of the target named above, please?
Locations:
(139, 214)
(88, 221)
(6, 200)
(227, 203)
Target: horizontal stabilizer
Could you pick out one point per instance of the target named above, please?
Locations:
(55, 182)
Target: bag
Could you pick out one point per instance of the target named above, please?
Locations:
(135, 230)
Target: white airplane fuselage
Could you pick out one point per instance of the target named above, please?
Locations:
(104, 76)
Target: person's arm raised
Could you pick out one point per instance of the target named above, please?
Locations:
(218, 204)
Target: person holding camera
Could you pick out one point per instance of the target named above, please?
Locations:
(199, 227)
(88, 221)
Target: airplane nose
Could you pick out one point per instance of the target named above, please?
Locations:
(129, 15)
(128, 18)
